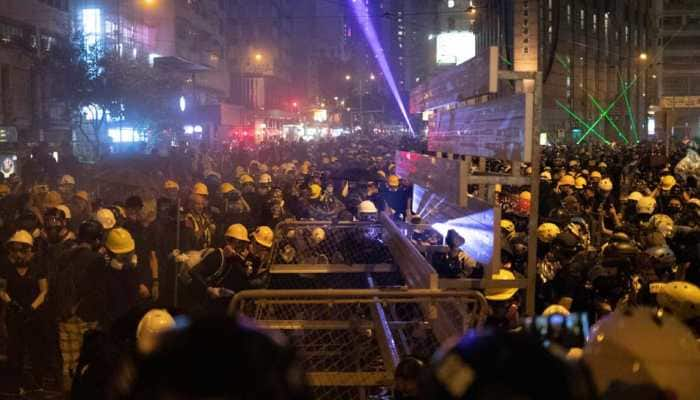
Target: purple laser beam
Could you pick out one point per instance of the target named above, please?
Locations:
(362, 14)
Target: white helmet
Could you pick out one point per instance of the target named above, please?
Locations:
(367, 207)
(152, 325)
(106, 217)
(644, 346)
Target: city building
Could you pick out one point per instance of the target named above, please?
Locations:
(182, 37)
(588, 51)
(28, 30)
(260, 54)
(679, 78)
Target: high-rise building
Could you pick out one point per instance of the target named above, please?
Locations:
(593, 54)
(184, 37)
(678, 76)
(28, 30)
(259, 38)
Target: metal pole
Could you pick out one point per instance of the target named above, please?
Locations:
(535, 203)
(177, 246)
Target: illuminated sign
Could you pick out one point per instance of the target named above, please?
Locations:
(321, 115)
(498, 129)
(92, 25)
(525, 46)
(183, 103)
(8, 134)
(455, 47)
(126, 135)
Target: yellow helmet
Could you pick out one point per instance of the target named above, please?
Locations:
(525, 195)
(264, 236)
(681, 298)
(4, 189)
(151, 326)
(245, 179)
(606, 185)
(237, 231)
(393, 181)
(602, 165)
(635, 196)
(200, 189)
(501, 294)
(119, 241)
(596, 175)
(318, 235)
(546, 176)
(82, 195)
(667, 182)
(567, 180)
(497, 188)
(304, 169)
(580, 182)
(695, 201)
(314, 191)
(53, 199)
(547, 232)
(382, 174)
(22, 237)
(646, 205)
(508, 226)
(171, 184)
(555, 309)
(226, 188)
(265, 179)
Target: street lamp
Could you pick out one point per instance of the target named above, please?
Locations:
(258, 57)
(149, 3)
(372, 77)
(348, 77)
(643, 56)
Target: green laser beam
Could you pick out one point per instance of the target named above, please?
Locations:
(505, 60)
(607, 117)
(633, 122)
(582, 122)
(607, 110)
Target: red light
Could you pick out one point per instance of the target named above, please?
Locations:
(295, 104)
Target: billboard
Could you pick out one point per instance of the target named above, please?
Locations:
(455, 47)
(8, 165)
(475, 77)
(498, 129)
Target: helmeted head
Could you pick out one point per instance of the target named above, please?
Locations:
(643, 346)
(148, 333)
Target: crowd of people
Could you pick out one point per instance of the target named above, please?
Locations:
(86, 277)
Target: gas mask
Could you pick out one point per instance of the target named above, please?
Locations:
(19, 255)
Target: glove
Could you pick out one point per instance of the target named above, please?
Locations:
(175, 253)
(15, 308)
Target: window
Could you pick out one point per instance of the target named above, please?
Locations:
(582, 19)
(568, 14)
(595, 23)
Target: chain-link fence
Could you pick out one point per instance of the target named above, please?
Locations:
(324, 255)
(350, 340)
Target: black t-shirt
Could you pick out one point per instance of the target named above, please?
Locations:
(23, 288)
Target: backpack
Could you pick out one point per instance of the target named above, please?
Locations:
(192, 260)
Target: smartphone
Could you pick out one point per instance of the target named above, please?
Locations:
(564, 330)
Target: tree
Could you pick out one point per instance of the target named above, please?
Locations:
(98, 85)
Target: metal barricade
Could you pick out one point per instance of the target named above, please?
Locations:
(322, 254)
(350, 340)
